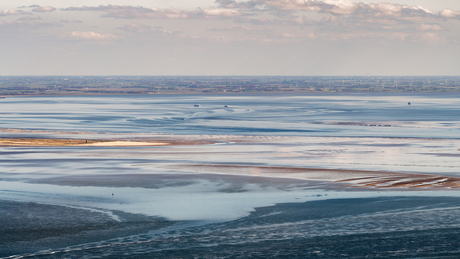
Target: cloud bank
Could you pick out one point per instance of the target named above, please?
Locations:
(139, 12)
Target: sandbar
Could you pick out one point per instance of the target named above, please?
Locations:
(54, 142)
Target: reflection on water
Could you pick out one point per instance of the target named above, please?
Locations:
(219, 199)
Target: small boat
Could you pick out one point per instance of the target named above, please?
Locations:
(225, 106)
(197, 105)
(408, 103)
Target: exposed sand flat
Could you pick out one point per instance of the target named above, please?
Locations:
(24, 142)
(42, 131)
(32, 142)
(352, 178)
(125, 144)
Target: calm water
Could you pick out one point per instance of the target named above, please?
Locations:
(431, 115)
(112, 202)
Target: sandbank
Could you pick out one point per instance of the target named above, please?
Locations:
(47, 142)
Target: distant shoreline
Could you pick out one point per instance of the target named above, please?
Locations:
(152, 85)
(221, 93)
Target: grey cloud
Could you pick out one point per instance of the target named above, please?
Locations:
(234, 4)
(34, 6)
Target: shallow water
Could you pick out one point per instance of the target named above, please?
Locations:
(215, 200)
(428, 116)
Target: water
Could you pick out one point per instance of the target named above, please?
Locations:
(432, 115)
(242, 196)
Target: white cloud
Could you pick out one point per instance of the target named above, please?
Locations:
(43, 9)
(90, 35)
(221, 12)
(446, 13)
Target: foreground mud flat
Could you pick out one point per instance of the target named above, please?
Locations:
(92, 195)
(388, 227)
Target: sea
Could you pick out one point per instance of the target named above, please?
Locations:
(236, 184)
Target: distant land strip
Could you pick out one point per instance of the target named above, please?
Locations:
(145, 85)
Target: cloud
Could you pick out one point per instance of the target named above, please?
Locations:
(71, 21)
(90, 35)
(7, 12)
(139, 12)
(337, 20)
(43, 9)
(234, 4)
(430, 27)
(220, 12)
(291, 21)
(337, 7)
(446, 13)
(345, 20)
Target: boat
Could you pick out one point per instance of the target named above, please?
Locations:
(197, 105)
(408, 103)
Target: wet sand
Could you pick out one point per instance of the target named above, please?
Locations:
(209, 161)
(351, 178)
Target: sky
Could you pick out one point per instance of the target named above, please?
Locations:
(228, 37)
